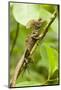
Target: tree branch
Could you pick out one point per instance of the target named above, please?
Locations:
(21, 61)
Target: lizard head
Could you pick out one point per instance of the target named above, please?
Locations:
(35, 24)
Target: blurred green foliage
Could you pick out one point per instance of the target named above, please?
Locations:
(44, 70)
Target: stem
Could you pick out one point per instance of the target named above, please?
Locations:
(15, 39)
(18, 67)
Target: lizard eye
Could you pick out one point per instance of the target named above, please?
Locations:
(39, 19)
(33, 32)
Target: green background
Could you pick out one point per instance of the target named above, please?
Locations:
(44, 70)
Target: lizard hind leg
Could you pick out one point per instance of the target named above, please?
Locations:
(25, 66)
(27, 53)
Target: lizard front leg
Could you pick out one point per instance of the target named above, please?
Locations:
(37, 37)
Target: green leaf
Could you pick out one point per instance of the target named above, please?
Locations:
(53, 59)
(49, 58)
(50, 8)
(55, 74)
(54, 26)
(30, 78)
(51, 38)
(54, 79)
(25, 12)
(28, 83)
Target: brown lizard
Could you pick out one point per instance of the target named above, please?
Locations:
(35, 35)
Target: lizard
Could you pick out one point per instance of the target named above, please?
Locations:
(35, 26)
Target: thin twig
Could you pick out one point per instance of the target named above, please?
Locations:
(21, 61)
(15, 39)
